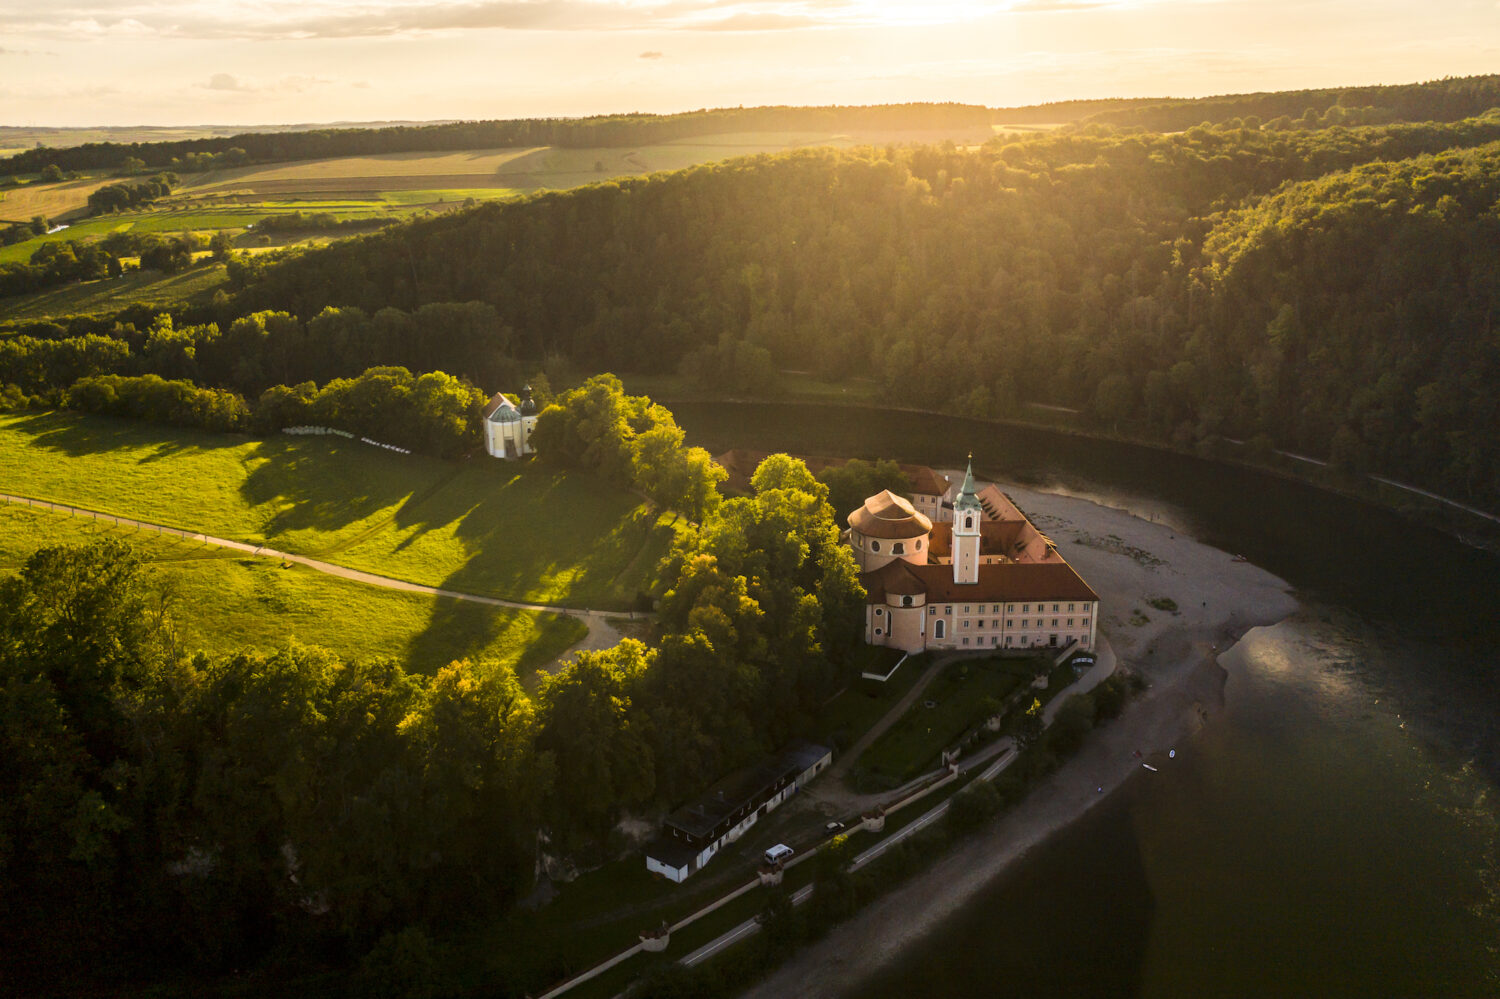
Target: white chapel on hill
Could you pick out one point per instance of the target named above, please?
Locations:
(987, 579)
(508, 427)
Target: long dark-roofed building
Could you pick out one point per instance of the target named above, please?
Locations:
(693, 834)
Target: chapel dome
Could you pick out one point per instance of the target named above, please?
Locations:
(886, 515)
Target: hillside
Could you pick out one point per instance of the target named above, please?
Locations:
(1086, 270)
(480, 527)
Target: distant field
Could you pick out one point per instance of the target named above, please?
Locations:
(222, 603)
(21, 204)
(112, 294)
(519, 532)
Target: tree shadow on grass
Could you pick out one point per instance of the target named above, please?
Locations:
(325, 485)
(539, 535)
(76, 436)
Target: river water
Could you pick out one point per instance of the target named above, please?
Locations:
(1332, 832)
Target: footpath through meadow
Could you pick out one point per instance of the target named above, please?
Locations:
(602, 634)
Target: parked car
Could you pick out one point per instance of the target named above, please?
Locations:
(778, 853)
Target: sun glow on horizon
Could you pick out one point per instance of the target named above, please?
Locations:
(88, 62)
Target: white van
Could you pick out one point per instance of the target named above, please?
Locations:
(778, 853)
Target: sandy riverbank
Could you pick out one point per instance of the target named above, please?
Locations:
(1129, 562)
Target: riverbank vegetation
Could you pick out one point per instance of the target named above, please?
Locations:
(839, 892)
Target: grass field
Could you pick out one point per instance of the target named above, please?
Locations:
(109, 295)
(223, 603)
(950, 704)
(520, 532)
(21, 204)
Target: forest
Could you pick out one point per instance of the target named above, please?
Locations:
(1329, 290)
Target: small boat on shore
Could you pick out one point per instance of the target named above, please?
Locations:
(1150, 767)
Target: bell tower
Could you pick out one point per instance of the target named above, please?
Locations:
(967, 515)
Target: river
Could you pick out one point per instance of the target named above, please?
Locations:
(1332, 832)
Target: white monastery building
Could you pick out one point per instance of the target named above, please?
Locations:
(984, 579)
(508, 427)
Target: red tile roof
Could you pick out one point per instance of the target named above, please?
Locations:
(886, 515)
(998, 583)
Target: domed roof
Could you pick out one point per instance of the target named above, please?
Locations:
(528, 404)
(886, 515)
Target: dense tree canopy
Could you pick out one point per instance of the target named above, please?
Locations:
(1074, 269)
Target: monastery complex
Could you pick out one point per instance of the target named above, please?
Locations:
(979, 576)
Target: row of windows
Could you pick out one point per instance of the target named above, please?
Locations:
(897, 547)
(1025, 622)
(940, 632)
(995, 608)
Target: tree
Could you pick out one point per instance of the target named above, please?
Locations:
(851, 483)
(596, 741)
(51, 173)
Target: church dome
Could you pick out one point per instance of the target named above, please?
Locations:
(886, 515)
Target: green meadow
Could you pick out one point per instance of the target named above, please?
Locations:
(195, 285)
(224, 602)
(514, 531)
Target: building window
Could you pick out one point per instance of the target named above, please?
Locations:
(1025, 608)
(1070, 622)
(994, 640)
(995, 609)
(1010, 608)
(1054, 608)
(879, 612)
(1007, 641)
(1010, 623)
(919, 544)
(906, 601)
(931, 611)
(1053, 643)
(966, 622)
(1070, 608)
(898, 548)
(1054, 622)
(968, 521)
(1025, 623)
(966, 639)
(874, 546)
(966, 608)
(938, 631)
(1085, 622)
(877, 631)
(948, 609)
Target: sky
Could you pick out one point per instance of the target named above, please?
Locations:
(259, 62)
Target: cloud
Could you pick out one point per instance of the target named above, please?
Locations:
(225, 81)
(651, 55)
(295, 84)
(301, 19)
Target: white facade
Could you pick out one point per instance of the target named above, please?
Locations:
(508, 427)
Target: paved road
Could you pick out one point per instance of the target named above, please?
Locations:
(602, 634)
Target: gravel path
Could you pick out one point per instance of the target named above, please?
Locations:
(602, 634)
